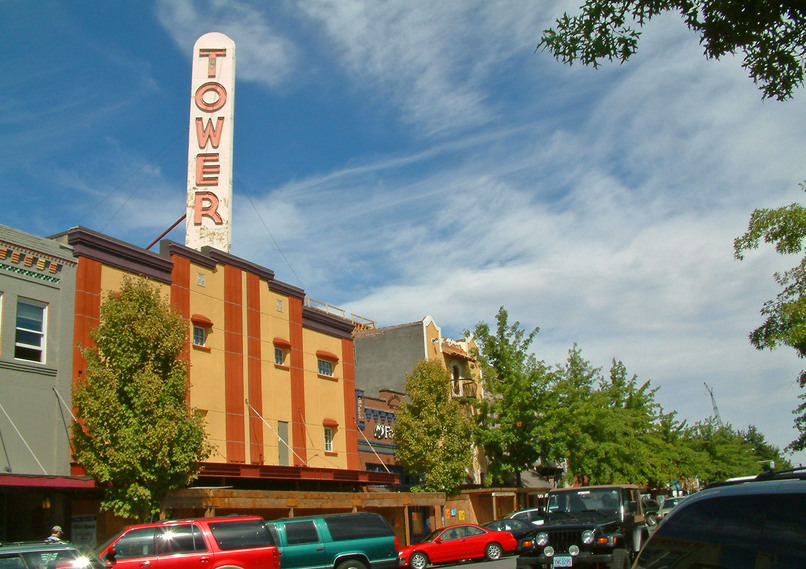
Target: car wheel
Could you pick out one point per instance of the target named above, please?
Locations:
(493, 551)
(418, 560)
(621, 560)
(351, 564)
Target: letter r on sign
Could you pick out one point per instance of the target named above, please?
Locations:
(206, 205)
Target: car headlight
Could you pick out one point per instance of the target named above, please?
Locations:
(548, 551)
(587, 537)
(574, 550)
(542, 539)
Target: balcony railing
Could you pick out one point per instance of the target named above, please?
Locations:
(464, 388)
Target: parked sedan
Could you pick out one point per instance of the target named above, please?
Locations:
(457, 543)
(517, 528)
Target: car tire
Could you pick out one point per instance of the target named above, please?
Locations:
(621, 560)
(351, 564)
(493, 551)
(418, 560)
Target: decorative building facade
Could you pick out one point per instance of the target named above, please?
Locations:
(37, 290)
(274, 378)
(384, 356)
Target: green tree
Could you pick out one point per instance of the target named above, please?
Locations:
(767, 455)
(135, 433)
(509, 418)
(770, 34)
(432, 431)
(785, 316)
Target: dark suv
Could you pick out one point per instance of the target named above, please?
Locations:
(39, 555)
(741, 525)
(590, 526)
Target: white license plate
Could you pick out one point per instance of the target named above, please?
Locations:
(563, 561)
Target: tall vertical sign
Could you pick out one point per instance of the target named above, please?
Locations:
(212, 109)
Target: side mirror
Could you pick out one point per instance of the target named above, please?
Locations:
(438, 540)
(110, 554)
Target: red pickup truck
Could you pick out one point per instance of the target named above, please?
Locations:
(235, 542)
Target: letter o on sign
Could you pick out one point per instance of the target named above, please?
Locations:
(218, 90)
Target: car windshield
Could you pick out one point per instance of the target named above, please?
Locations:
(432, 536)
(584, 500)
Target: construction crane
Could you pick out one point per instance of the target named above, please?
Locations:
(713, 404)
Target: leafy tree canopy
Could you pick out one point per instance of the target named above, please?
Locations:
(135, 434)
(785, 316)
(770, 34)
(432, 431)
(513, 381)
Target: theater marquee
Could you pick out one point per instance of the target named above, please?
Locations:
(212, 109)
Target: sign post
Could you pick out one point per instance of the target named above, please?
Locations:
(212, 110)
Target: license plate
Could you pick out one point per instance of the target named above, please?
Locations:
(563, 561)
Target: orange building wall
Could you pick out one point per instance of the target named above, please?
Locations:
(234, 381)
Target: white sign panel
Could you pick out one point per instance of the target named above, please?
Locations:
(212, 109)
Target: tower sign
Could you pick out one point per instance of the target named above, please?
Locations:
(212, 109)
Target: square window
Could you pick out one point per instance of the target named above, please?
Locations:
(279, 356)
(328, 439)
(31, 326)
(325, 367)
(199, 336)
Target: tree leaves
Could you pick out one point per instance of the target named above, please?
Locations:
(785, 316)
(770, 33)
(135, 434)
(432, 431)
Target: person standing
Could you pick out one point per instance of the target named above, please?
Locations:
(56, 535)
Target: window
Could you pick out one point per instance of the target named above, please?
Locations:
(199, 336)
(31, 326)
(202, 326)
(328, 439)
(279, 356)
(301, 532)
(138, 542)
(282, 443)
(184, 538)
(325, 367)
(245, 534)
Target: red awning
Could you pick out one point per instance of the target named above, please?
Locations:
(33, 481)
(327, 355)
(281, 342)
(330, 422)
(201, 320)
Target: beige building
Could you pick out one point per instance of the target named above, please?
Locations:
(385, 355)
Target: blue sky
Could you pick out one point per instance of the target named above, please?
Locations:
(408, 158)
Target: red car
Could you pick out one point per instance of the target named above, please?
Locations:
(457, 543)
(232, 542)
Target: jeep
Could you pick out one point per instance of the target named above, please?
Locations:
(588, 526)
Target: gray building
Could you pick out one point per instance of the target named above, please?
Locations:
(37, 298)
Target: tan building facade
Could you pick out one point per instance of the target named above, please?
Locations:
(274, 378)
(384, 357)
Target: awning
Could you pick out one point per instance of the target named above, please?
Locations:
(34, 481)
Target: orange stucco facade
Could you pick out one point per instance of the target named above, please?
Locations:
(266, 417)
